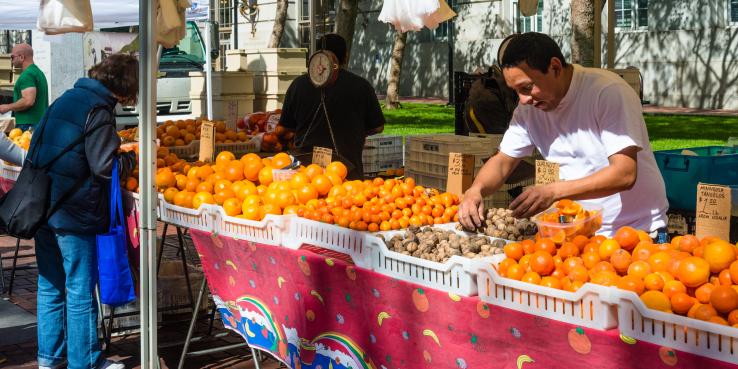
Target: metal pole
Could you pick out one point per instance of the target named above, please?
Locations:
(147, 125)
(234, 38)
(597, 57)
(208, 70)
(611, 33)
(311, 10)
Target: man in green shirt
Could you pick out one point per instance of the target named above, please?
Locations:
(31, 93)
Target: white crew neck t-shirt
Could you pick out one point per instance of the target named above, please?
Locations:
(599, 116)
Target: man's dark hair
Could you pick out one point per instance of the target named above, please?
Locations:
(535, 49)
(335, 44)
(119, 74)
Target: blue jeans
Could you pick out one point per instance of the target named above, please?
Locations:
(67, 310)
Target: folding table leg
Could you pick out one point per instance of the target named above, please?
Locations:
(12, 270)
(191, 329)
(183, 257)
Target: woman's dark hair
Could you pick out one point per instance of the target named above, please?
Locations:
(335, 44)
(535, 49)
(119, 74)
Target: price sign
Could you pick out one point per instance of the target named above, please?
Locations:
(713, 211)
(322, 156)
(677, 224)
(282, 174)
(207, 141)
(460, 173)
(546, 172)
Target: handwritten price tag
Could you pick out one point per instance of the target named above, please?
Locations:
(322, 156)
(207, 141)
(713, 211)
(546, 172)
(460, 173)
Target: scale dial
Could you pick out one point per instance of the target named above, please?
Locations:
(323, 68)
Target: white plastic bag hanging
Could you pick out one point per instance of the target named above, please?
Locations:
(63, 16)
(170, 21)
(413, 15)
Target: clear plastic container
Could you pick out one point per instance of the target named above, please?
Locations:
(587, 226)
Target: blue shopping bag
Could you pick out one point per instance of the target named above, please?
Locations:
(116, 282)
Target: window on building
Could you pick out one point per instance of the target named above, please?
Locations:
(303, 25)
(528, 24)
(623, 13)
(224, 17)
(642, 13)
(631, 14)
(733, 9)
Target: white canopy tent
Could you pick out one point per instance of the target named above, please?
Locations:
(18, 15)
(106, 13)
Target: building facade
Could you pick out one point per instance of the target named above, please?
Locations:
(687, 51)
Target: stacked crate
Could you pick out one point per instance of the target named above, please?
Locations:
(382, 153)
(274, 70)
(426, 160)
(233, 95)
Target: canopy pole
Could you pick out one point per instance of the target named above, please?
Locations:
(311, 10)
(147, 163)
(611, 33)
(208, 69)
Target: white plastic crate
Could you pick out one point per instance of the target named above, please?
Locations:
(456, 275)
(273, 83)
(238, 148)
(328, 236)
(674, 331)
(10, 172)
(268, 231)
(201, 219)
(188, 151)
(587, 307)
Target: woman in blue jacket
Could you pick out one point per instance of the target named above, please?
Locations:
(66, 250)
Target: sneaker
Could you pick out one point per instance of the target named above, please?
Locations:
(109, 364)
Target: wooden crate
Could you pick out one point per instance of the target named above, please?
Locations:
(267, 60)
(632, 76)
(223, 84)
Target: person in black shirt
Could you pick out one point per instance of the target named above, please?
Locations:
(350, 103)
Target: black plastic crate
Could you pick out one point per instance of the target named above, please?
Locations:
(690, 219)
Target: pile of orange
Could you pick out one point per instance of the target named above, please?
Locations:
(182, 132)
(246, 188)
(691, 277)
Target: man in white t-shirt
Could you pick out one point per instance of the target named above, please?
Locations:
(587, 120)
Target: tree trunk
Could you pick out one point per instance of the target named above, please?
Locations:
(279, 21)
(582, 26)
(393, 87)
(346, 21)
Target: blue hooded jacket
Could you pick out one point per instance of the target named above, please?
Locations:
(86, 106)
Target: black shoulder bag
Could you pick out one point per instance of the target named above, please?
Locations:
(27, 206)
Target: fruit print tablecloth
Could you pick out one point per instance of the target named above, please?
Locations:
(321, 313)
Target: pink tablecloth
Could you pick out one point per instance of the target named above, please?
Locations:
(320, 313)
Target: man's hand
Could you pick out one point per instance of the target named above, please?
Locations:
(533, 201)
(4, 108)
(471, 209)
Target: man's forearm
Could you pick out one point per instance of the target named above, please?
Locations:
(21, 105)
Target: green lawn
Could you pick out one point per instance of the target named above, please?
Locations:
(666, 131)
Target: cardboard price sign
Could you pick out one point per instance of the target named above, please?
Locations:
(322, 156)
(460, 173)
(713, 211)
(207, 141)
(677, 224)
(546, 172)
